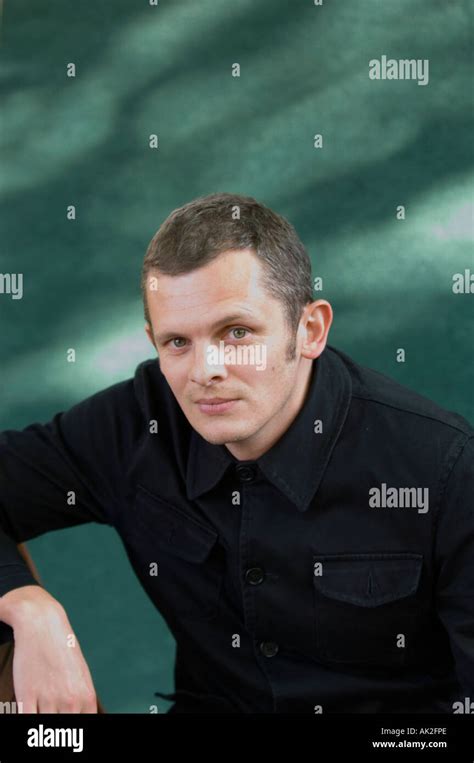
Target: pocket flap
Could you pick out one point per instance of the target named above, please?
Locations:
(367, 580)
(171, 529)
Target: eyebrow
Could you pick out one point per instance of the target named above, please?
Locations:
(161, 338)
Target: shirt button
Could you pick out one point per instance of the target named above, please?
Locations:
(245, 473)
(269, 648)
(255, 575)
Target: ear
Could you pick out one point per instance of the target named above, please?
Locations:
(315, 327)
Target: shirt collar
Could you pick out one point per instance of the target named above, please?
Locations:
(296, 463)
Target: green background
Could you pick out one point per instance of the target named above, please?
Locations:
(167, 70)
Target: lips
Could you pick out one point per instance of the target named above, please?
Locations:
(214, 400)
(216, 405)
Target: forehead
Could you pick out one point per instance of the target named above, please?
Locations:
(233, 279)
(226, 291)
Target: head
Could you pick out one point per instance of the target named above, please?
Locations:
(226, 271)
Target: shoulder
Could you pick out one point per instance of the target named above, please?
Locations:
(385, 398)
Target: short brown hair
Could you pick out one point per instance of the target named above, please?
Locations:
(193, 235)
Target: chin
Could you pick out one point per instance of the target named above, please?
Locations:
(220, 435)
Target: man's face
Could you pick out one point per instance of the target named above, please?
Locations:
(223, 301)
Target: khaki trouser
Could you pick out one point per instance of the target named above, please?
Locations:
(7, 692)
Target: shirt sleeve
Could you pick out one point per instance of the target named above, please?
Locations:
(454, 551)
(63, 473)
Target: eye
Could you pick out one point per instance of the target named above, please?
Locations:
(239, 329)
(177, 339)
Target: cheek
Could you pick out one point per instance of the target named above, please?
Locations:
(176, 379)
(263, 385)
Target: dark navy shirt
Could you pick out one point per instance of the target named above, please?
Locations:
(335, 573)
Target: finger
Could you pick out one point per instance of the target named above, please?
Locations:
(69, 706)
(90, 707)
(28, 705)
(47, 705)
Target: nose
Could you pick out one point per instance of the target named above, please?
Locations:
(207, 365)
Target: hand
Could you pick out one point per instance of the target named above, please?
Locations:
(50, 674)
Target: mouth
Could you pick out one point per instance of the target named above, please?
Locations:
(215, 405)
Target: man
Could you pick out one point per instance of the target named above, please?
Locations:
(305, 525)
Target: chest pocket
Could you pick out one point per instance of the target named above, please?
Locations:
(178, 557)
(365, 607)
